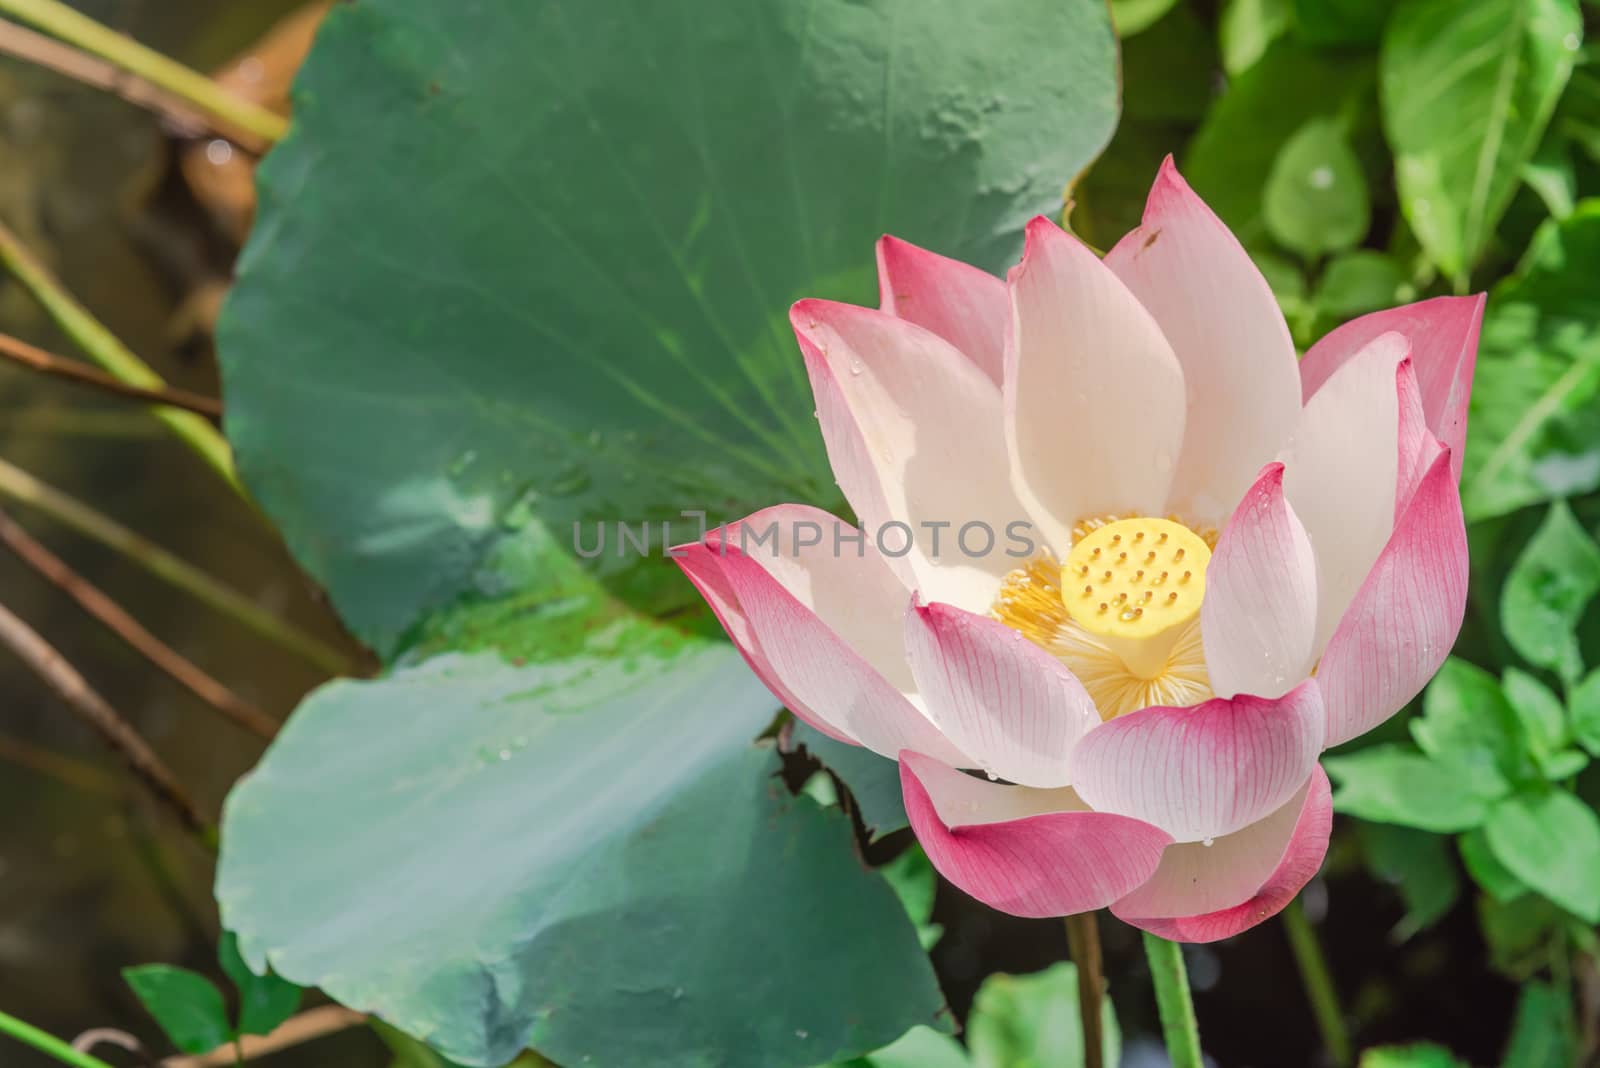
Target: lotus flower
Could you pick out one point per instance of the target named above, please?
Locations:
(1237, 560)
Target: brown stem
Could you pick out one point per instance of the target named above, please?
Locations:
(40, 656)
(308, 1025)
(37, 359)
(80, 66)
(1083, 939)
(130, 630)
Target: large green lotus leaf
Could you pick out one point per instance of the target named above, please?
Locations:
(586, 855)
(1534, 428)
(533, 260)
(1467, 89)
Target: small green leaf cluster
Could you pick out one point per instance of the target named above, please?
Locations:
(1495, 761)
(192, 1011)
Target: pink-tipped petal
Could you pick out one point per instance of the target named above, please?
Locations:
(1406, 616)
(915, 435)
(1202, 893)
(962, 304)
(1259, 616)
(1205, 771)
(1094, 395)
(1003, 700)
(1026, 852)
(1443, 333)
(821, 628)
(1341, 470)
(1418, 446)
(1223, 322)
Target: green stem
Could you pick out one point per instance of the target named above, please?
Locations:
(47, 1043)
(1318, 983)
(23, 488)
(102, 346)
(1178, 1024)
(61, 21)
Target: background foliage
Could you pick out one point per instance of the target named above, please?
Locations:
(521, 266)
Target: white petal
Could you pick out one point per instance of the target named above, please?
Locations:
(1223, 322)
(1340, 473)
(915, 436)
(1094, 395)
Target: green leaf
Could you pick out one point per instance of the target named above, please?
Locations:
(1316, 195)
(1031, 1021)
(1468, 724)
(408, 1052)
(1519, 931)
(874, 780)
(920, 1047)
(1544, 1034)
(1334, 23)
(1467, 91)
(1247, 27)
(553, 852)
(1551, 841)
(1420, 866)
(265, 1001)
(1535, 409)
(1358, 282)
(1390, 784)
(1421, 1055)
(1135, 16)
(185, 1004)
(1543, 718)
(1585, 711)
(915, 883)
(1550, 174)
(1234, 151)
(1549, 586)
(1486, 870)
(573, 307)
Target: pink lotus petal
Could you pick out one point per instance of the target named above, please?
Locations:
(1203, 893)
(962, 304)
(1023, 851)
(1223, 322)
(1259, 616)
(1402, 623)
(915, 435)
(1001, 699)
(1418, 446)
(1205, 771)
(1443, 333)
(1094, 396)
(821, 629)
(1341, 470)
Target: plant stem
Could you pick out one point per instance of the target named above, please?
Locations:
(55, 671)
(1083, 940)
(22, 487)
(80, 66)
(104, 348)
(1318, 983)
(59, 20)
(94, 601)
(47, 1043)
(1178, 1024)
(20, 352)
